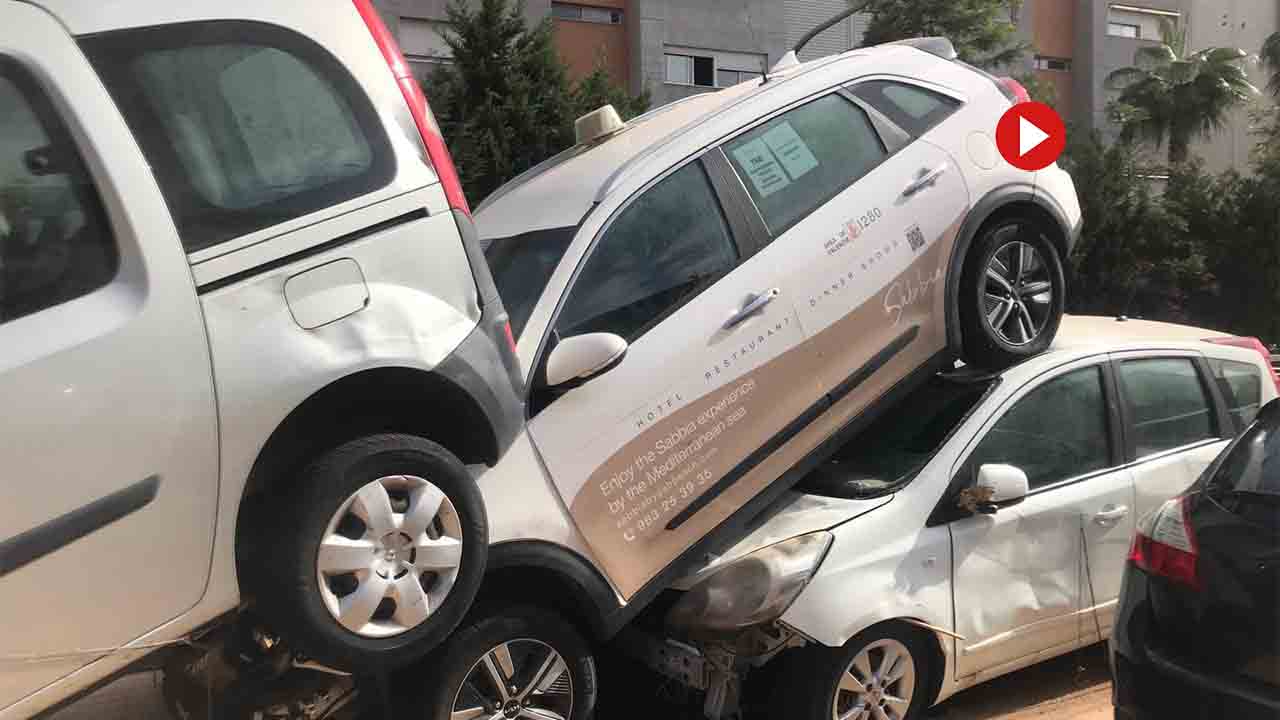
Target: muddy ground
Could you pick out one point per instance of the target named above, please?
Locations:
(1074, 687)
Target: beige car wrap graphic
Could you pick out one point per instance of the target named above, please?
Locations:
(624, 507)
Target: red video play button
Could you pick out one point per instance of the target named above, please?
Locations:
(1031, 136)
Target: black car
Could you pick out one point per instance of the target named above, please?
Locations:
(1198, 629)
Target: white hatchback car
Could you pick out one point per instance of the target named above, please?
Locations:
(708, 299)
(979, 527)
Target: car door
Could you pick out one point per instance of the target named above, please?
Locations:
(869, 212)
(1172, 427)
(108, 440)
(1027, 578)
(652, 455)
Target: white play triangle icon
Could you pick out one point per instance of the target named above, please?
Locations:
(1029, 136)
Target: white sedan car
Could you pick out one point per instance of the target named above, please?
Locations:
(979, 527)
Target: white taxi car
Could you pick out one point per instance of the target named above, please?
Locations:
(707, 300)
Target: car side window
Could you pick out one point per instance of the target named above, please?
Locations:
(662, 250)
(1241, 386)
(246, 125)
(1056, 432)
(1167, 404)
(798, 161)
(911, 107)
(55, 241)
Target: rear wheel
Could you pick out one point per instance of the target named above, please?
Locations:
(1012, 294)
(374, 557)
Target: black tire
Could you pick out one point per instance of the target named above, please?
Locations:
(984, 346)
(284, 577)
(810, 677)
(528, 633)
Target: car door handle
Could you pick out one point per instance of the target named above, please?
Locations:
(1108, 517)
(753, 306)
(928, 179)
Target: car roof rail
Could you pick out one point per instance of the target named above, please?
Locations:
(939, 46)
(968, 375)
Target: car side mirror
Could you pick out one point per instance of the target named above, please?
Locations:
(1006, 483)
(997, 485)
(575, 361)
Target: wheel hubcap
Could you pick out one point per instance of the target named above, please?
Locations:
(878, 685)
(1018, 295)
(389, 556)
(524, 679)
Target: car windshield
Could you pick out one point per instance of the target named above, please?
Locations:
(522, 265)
(901, 442)
(1253, 465)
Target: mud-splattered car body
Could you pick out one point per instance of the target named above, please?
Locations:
(1016, 578)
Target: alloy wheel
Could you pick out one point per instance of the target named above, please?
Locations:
(1018, 292)
(879, 684)
(524, 679)
(389, 556)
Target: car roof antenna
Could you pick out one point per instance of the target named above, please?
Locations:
(854, 7)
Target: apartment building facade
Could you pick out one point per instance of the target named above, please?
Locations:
(588, 33)
(675, 48)
(1080, 42)
(672, 48)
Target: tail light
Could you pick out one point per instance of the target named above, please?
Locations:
(1165, 544)
(1250, 343)
(511, 339)
(1013, 90)
(437, 152)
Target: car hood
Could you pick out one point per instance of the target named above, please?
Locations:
(793, 515)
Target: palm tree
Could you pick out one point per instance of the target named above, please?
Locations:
(1175, 96)
(1270, 57)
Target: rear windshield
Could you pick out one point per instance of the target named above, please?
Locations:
(1253, 464)
(902, 441)
(522, 266)
(245, 125)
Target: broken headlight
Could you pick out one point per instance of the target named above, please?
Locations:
(754, 589)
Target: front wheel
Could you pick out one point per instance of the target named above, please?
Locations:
(521, 662)
(1012, 294)
(884, 673)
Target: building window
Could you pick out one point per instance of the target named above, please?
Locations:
(1139, 23)
(711, 68)
(584, 13)
(424, 46)
(1053, 63)
(691, 70)
(1124, 30)
(729, 78)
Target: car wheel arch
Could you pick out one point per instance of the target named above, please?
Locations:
(939, 656)
(553, 577)
(378, 400)
(1002, 201)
